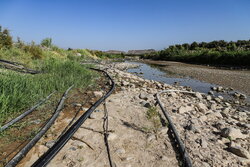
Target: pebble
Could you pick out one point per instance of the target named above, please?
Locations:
(49, 144)
(112, 136)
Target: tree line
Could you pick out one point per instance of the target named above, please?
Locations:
(216, 53)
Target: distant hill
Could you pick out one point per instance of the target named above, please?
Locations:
(140, 52)
(115, 52)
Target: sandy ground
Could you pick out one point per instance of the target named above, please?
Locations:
(237, 79)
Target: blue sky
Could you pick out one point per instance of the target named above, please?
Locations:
(126, 24)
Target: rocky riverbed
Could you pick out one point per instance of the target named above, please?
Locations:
(237, 79)
(216, 132)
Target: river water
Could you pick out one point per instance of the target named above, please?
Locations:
(154, 72)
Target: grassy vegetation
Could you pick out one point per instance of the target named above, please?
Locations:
(153, 116)
(60, 69)
(215, 53)
(104, 55)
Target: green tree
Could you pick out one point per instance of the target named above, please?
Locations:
(194, 45)
(5, 39)
(47, 42)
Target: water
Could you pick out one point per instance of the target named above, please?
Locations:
(153, 72)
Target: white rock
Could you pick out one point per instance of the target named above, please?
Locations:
(112, 136)
(98, 94)
(184, 109)
(198, 95)
(151, 137)
(202, 107)
(120, 151)
(233, 133)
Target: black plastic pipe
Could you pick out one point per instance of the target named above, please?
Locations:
(51, 153)
(184, 154)
(13, 121)
(18, 157)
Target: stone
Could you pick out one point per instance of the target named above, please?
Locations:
(78, 54)
(198, 95)
(219, 88)
(239, 151)
(78, 105)
(115, 101)
(143, 96)
(184, 109)
(163, 131)
(233, 133)
(203, 118)
(211, 93)
(112, 136)
(209, 97)
(41, 150)
(125, 83)
(220, 97)
(49, 144)
(146, 104)
(78, 144)
(213, 107)
(202, 107)
(92, 116)
(120, 151)
(150, 138)
(243, 96)
(38, 121)
(204, 143)
(214, 88)
(98, 94)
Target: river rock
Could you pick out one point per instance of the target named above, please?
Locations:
(98, 94)
(202, 107)
(239, 151)
(184, 109)
(49, 144)
(198, 95)
(112, 136)
(125, 83)
(233, 133)
(143, 96)
(146, 104)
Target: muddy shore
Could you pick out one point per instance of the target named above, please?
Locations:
(237, 79)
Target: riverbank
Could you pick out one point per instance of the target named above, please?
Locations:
(215, 131)
(237, 79)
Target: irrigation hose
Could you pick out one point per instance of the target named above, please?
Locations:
(13, 121)
(106, 132)
(187, 160)
(17, 65)
(51, 153)
(14, 161)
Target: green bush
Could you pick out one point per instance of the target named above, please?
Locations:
(5, 38)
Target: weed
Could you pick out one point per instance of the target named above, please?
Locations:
(153, 116)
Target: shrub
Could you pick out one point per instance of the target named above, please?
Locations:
(5, 39)
(47, 42)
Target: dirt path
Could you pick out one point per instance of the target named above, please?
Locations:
(132, 141)
(237, 79)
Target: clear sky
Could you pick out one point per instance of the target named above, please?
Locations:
(126, 24)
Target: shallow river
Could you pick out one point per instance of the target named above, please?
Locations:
(153, 72)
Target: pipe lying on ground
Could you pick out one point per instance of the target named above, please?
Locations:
(13, 121)
(182, 149)
(51, 153)
(18, 157)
